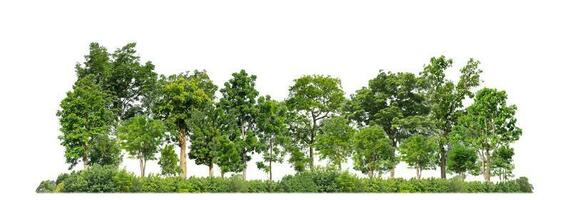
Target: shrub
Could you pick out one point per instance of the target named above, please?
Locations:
(46, 186)
(111, 179)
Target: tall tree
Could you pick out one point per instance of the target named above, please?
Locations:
(239, 103)
(420, 152)
(334, 143)
(207, 138)
(181, 96)
(85, 114)
(444, 97)
(272, 129)
(373, 151)
(313, 98)
(168, 161)
(141, 137)
(388, 99)
(488, 124)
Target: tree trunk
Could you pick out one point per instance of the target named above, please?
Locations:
(221, 173)
(392, 174)
(393, 170)
(271, 157)
(142, 166)
(311, 158)
(243, 134)
(371, 174)
(417, 172)
(443, 162)
(182, 156)
(210, 170)
(84, 158)
(487, 171)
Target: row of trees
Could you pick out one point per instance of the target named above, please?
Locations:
(119, 103)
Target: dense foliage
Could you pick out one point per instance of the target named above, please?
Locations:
(108, 179)
(120, 106)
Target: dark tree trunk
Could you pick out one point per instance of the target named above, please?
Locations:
(210, 170)
(443, 162)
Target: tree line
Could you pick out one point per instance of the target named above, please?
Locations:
(119, 103)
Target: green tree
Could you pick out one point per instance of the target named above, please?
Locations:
(272, 129)
(420, 152)
(181, 96)
(502, 163)
(334, 143)
(207, 138)
(169, 161)
(85, 115)
(373, 151)
(462, 159)
(141, 137)
(239, 103)
(444, 98)
(121, 75)
(105, 150)
(488, 124)
(388, 99)
(313, 98)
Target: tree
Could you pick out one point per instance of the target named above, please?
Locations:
(313, 98)
(335, 141)
(168, 161)
(85, 115)
(121, 75)
(239, 103)
(141, 137)
(373, 151)
(420, 152)
(180, 96)
(444, 98)
(105, 150)
(271, 123)
(388, 99)
(462, 159)
(208, 137)
(488, 124)
(502, 163)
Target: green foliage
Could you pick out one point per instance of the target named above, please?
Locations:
(85, 116)
(420, 152)
(272, 128)
(239, 103)
(169, 161)
(47, 186)
(502, 162)
(462, 159)
(141, 137)
(105, 150)
(312, 98)
(488, 124)
(110, 179)
(208, 137)
(335, 141)
(373, 151)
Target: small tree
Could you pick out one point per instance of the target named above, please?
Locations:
(335, 141)
(271, 121)
(141, 138)
(208, 137)
(420, 152)
(502, 163)
(462, 159)
(373, 151)
(169, 161)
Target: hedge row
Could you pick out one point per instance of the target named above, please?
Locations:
(109, 179)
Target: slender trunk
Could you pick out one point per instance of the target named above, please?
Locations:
(210, 170)
(182, 156)
(393, 170)
(371, 174)
(311, 141)
(392, 174)
(417, 172)
(271, 157)
(221, 174)
(142, 165)
(311, 158)
(84, 158)
(443, 162)
(244, 156)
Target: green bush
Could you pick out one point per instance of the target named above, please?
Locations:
(111, 179)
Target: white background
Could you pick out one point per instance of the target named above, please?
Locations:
(524, 47)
